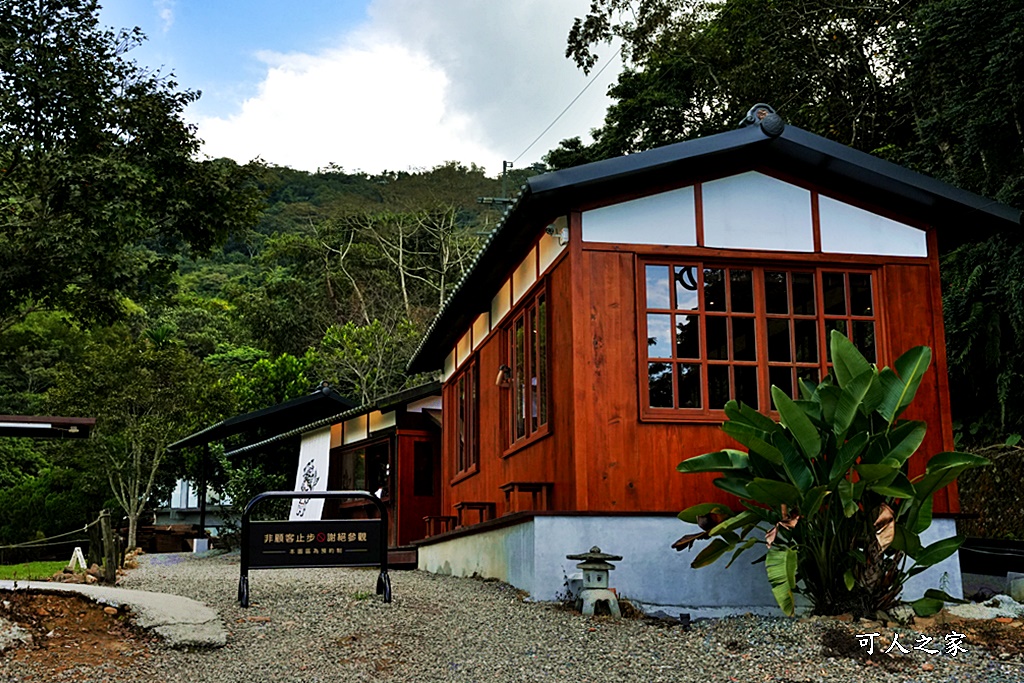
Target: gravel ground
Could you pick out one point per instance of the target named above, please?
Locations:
(319, 625)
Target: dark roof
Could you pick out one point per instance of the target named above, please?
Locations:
(46, 427)
(957, 214)
(401, 398)
(273, 420)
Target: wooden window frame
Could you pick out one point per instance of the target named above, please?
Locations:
(534, 363)
(760, 317)
(465, 421)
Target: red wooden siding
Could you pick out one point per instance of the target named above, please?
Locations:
(599, 454)
(549, 458)
(631, 464)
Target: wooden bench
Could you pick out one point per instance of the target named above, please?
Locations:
(517, 491)
(484, 510)
(438, 524)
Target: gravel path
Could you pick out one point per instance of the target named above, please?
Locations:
(317, 625)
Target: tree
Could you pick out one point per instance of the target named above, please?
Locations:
(145, 395)
(695, 68)
(368, 361)
(98, 178)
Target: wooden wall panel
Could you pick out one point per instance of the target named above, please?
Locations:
(631, 466)
(912, 308)
(548, 459)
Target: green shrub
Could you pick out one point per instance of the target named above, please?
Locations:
(827, 485)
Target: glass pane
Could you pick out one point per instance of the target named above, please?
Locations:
(659, 335)
(717, 338)
(746, 384)
(805, 333)
(744, 344)
(860, 294)
(460, 431)
(542, 353)
(657, 286)
(776, 296)
(686, 288)
(829, 326)
(834, 287)
(808, 375)
(472, 418)
(714, 289)
(782, 378)
(803, 293)
(531, 315)
(778, 340)
(422, 468)
(741, 291)
(659, 385)
(519, 363)
(864, 338)
(689, 386)
(688, 336)
(718, 386)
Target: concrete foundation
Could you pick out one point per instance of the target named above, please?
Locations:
(530, 555)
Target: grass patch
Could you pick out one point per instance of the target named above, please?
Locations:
(31, 571)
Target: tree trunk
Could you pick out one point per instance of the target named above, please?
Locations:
(133, 526)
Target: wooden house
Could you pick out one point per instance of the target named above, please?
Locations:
(620, 304)
(390, 447)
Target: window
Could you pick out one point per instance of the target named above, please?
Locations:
(467, 421)
(365, 468)
(715, 333)
(526, 348)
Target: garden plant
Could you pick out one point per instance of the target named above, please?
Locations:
(825, 489)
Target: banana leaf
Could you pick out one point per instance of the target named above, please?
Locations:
(780, 565)
(717, 461)
(798, 423)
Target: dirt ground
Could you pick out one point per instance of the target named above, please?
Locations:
(71, 633)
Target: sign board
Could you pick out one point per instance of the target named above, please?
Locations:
(328, 543)
(314, 543)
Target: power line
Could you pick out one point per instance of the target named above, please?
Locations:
(569, 106)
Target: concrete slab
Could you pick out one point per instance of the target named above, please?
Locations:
(180, 621)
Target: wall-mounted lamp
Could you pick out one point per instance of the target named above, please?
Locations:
(504, 378)
(561, 233)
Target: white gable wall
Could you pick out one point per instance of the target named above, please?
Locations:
(665, 218)
(848, 229)
(752, 211)
(755, 211)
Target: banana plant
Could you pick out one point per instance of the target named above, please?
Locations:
(825, 489)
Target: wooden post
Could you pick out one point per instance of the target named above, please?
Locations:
(95, 555)
(109, 549)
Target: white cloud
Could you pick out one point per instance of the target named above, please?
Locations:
(419, 84)
(371, 108)
(165, 10)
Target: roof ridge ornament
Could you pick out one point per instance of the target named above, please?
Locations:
(764, 115)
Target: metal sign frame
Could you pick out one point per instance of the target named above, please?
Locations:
(378, 528)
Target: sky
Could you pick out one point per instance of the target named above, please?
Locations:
(373, 85)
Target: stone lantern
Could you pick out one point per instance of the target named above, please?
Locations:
(595, 566)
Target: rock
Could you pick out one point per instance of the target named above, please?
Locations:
(843, 617)
(927, 666)
(112, 611)
(90, 579)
